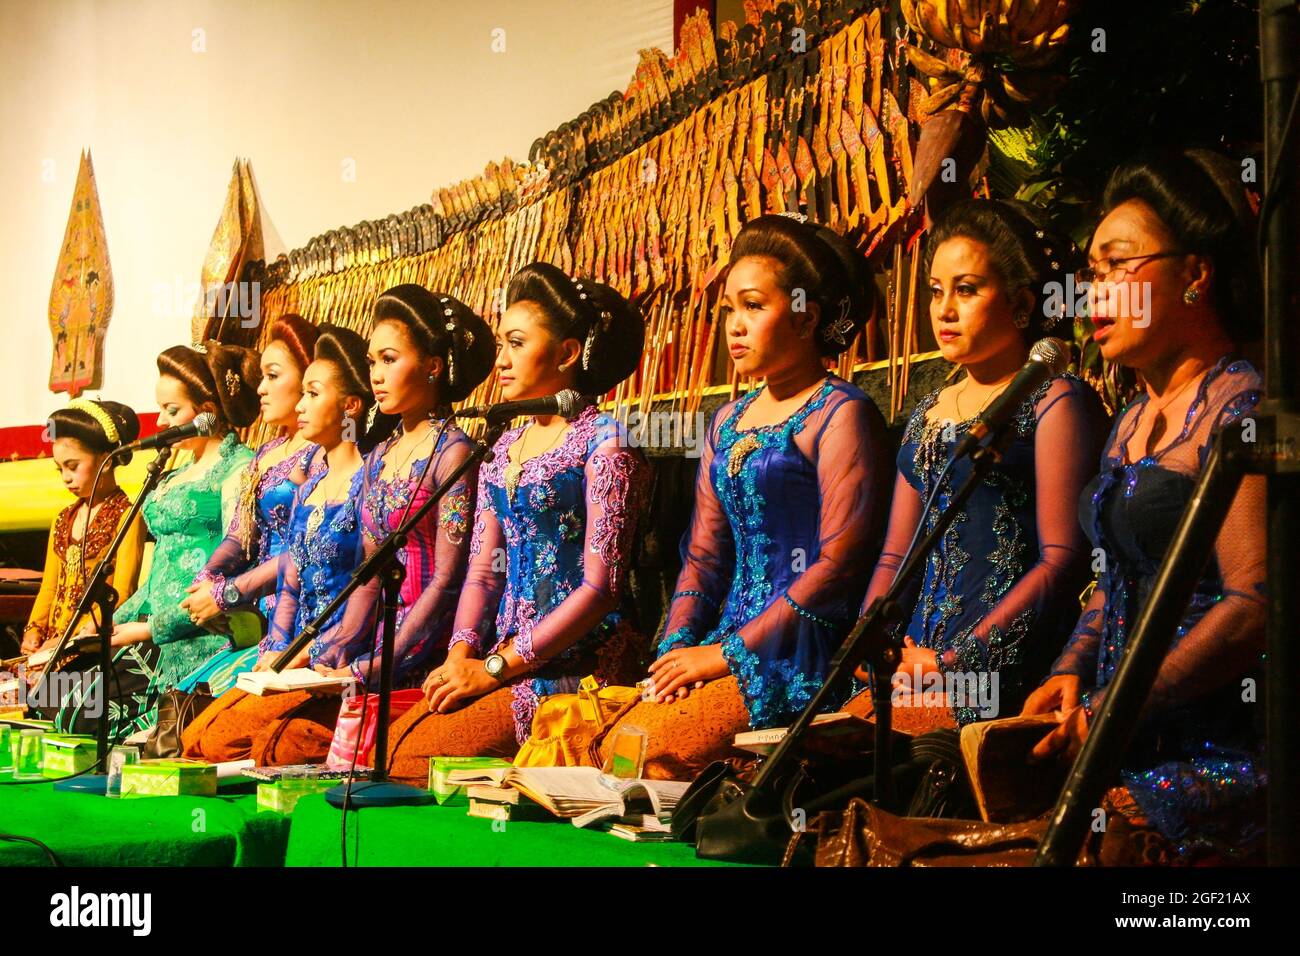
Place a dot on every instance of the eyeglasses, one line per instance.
(1115, 268)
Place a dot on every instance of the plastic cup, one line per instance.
(31, 754)
(119, 757)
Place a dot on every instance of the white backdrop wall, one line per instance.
(348, 111)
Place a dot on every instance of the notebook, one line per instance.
(1007, 787)
(262, 683)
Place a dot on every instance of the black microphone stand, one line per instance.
(379, 791)
(871, 642)
(1272, 450)
(100, 594)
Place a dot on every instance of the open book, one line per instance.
(582, 794)
(79, 644)
(845, 728)
(1007, 787)
(262, 683)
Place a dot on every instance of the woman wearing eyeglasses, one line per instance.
(1174, 288)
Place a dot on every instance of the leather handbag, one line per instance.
(865, 835)
(177, 709)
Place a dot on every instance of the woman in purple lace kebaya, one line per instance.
(1174, 292)
(790, 497)
(426, 350)
(553, 530)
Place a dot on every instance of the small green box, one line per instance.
(67, 754)
(169, 778)
(274, 797)
(448, 794)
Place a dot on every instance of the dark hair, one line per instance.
(1023, 248)
(346, 351)
(1198, 196)
(610, 328)
(442, 326)
(818, 261)
(225, 375)
(83, 427)
(297, 335)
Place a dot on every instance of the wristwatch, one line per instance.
(495, 665)
(230, 595)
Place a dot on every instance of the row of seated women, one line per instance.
(516, 584)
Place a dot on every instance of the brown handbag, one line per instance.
(176, 711)
(864, 835)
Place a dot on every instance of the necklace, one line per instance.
(515, 467)
(414, 445)
(956, 399)
(1160, 424)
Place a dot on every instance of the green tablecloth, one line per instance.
(228, 830)
(89, 830)
(445, 836)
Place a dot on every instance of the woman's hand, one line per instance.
(132, 632)
(456, 683)
(1057, 693)
(916, 661)
(685, 668)
(199, 605)
(1066, 739)
(31, 642)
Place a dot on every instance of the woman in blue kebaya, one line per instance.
(789, 502)
(323, 546)
(551, 549)
(242, 571)
(1000, 591)
(1178, 234)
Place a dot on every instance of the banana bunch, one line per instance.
(1028, 33)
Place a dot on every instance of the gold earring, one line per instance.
(1191, 294)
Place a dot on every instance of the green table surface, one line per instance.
(229, 830)
(445, 836)
(90, 830)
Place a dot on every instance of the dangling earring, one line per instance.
(1021, 320)
(1191, 294)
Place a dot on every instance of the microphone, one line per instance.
(1048, 358)
(201, 424)
(565, 404)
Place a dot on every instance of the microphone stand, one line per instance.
(871, 642)
(384, 563)
(100, 594)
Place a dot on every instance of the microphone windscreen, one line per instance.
(1053, 353)
(204, 421)
(567, 402)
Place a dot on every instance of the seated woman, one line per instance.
(557, 510)
(322, 551)
(1001, 591)
(1174, 291)
(82, 436)
(789, 503)
(426, 351)
(243, 569)
(187, 514)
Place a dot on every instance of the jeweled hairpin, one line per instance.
(842, 326)
(232, 383)
(796, 216)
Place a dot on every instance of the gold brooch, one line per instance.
(741, 450)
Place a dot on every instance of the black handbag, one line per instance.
(176, 711)
(717, 817)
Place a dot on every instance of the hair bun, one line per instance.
(610, 329)
(443, 326)
(236, 374)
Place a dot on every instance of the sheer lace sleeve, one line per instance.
(427, 621)
(616, 480)
(282, 628)
(1067, 445)
(708, 558)
(904, 516)
(781, 655)
(1080, 655)
(238, 512)
(485, 581)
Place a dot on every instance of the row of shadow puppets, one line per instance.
(774, 561)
